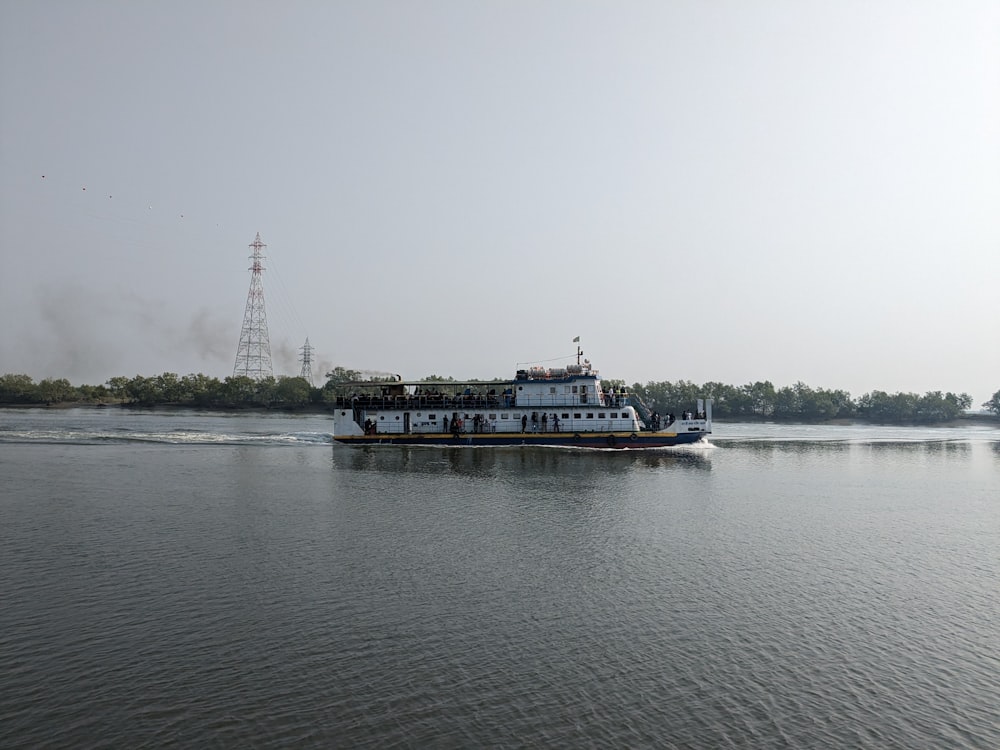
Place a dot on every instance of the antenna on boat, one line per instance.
(579, 351)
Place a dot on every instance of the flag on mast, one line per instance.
(576, 340)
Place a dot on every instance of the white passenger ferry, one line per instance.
(540, 406)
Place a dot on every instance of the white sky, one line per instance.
(706, 190)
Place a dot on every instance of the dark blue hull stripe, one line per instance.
(564, 439)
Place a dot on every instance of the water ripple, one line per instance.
(252, 595)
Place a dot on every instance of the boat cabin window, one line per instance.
(574, 389)
(552, 389)
(565, 415)
(614, 415)
(431, 417)
(504, 416)
(600, 415)
(576, 415)
(590, 415)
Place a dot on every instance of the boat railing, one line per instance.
(478, 401)
(382, 403)
(574, 401)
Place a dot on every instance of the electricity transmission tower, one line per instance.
(253, 356)
(306, 360)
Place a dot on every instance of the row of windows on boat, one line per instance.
(461, 422)
(535, 416)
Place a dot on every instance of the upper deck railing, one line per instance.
(482, 401)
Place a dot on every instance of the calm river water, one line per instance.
(203, 580)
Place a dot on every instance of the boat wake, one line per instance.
(700, 448)
(172, 437)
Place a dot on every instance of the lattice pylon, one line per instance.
(306, 360)
(253, 355)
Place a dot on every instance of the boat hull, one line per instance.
(606, 440)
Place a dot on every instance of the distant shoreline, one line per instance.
(321, 409)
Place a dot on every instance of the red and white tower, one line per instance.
(253, 356)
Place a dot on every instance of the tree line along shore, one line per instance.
(760, 400)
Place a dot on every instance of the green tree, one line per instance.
(118, 387)
(342, 375)
(142, 390)
(934, 406)
(55, 391)
(666, 397)
(238, 390)
(993, 405)
(169, 388)
(337, 382)
(291, 391)
(822, 404)
(728, 400)
(17, 389)
(92, 393)
(264, 391)
(879, 406)
(201, 390)
(786, 402)
(759, 398)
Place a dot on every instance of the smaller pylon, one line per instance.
(306, 360)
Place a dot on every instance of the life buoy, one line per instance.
(633, 436)
(611, 441)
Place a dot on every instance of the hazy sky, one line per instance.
(706, 190)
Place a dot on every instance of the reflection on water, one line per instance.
(525, 461)
(933, 447)
(833, 447)
(730, 433)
